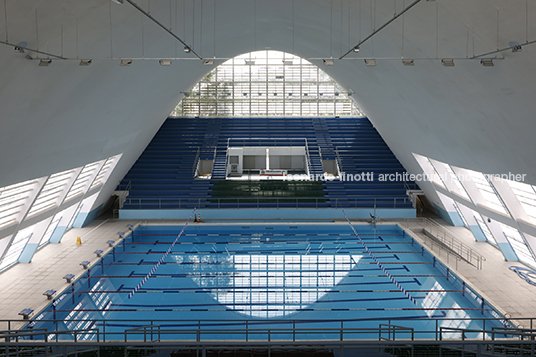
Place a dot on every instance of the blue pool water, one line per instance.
(274, 276)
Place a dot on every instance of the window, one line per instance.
(485, 228)
(50, 230)
(16, 247)
(267, 83)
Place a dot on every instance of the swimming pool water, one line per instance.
(316, 274)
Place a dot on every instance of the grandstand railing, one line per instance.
(266, 202)
(268, 330)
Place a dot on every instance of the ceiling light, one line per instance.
(408, 62)
(356, 49)
(329, 62)
(118, 1)
(125, 62)
(165, 62)
(85, 62)
(448, 62)
(187, 49)
(208, 62)
(487, 62)
(288, 62)
(370, 62)
(45, 63)
(250, 62)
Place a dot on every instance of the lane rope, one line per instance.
(161, 259)
(411, 298)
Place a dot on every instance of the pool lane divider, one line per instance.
(411, 298)
(162, 258)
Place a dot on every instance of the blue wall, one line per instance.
(268, 213)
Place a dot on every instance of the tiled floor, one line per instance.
(23, 285)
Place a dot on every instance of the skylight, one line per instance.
(267, 84)
(526, 195)
(454, 178)
(488, 192)
(12, 201)
(518, 244)
(51, 193)
(82, 182)
(105, 171)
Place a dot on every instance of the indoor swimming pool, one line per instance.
(300, 281)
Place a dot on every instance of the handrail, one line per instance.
(308, 158)
(438, 234)
(339, 161)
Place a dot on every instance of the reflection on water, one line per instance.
(267, 285)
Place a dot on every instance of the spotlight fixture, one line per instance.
(250, 62)
(85, 62)
(165, 62)
(20, 46)
(45, 63)
(288, 62)
(448, 62)
(356, 49)
(187, 49)
(487, 62)
(408, 62)
(328, 62)
(208, 62)
(125, 63)
(370, 62)
(118, 1)
(515, 45)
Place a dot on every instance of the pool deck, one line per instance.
(24, 284)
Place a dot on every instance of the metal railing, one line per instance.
(265, 202)
(440, 239)
(260, 141)
(240, 331)
(196, 161)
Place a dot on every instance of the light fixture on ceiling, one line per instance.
(20, 46)
(356, 49)
(329, 62)
(45, 63)
(208, 62)
(85, 62)
(370, 62)
(165, 62)
(118, 1)
(448, 62)
(408, 62)
(250, 62)
(125, 62)
(288, 62)
(515, 45)
(486, 62)
(187, 49)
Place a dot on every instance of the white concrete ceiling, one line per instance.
(65, 115)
